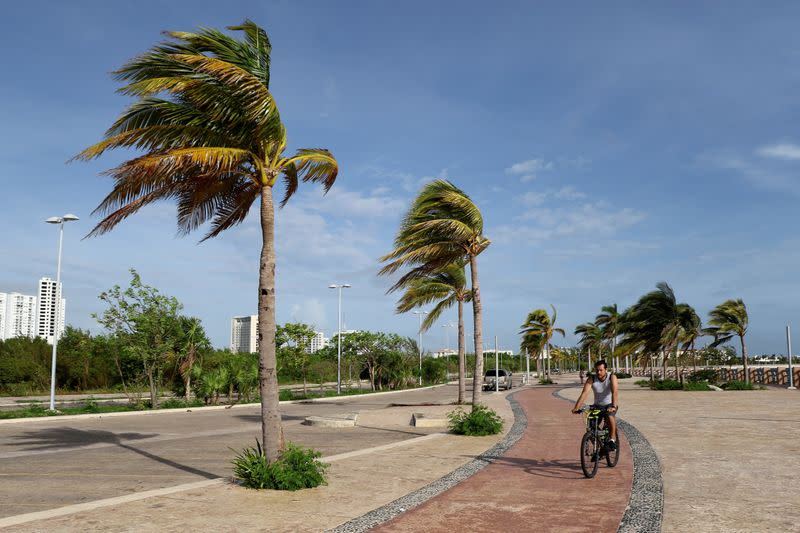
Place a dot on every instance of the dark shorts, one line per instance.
(605, 407)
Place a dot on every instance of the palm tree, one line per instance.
(726, 320)
(539, 324)
(692, 330)
(608, 321)
(443, 226)
(447, 287)
(214, 141)
(591, 338)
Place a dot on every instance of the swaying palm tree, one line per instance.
(692, 330)
(539, 324)
(446, 287)
(726, 320)
(591, 338)
(213, 141)
(608, 321)
(443, 226)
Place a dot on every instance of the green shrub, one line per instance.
(708, 374)
(666, 384)
(696, 385)
(178, 403)
(737, 385)
(479, 422)
(622, 375)
(545, 381)
(642, 382)
(298, 468)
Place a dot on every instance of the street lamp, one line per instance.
(447, 345)
(420, 314)
(60, 221)
(339, 337)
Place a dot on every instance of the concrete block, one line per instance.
(421, 420)
(347, 420)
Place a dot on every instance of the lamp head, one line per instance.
(70, 217)
(54, 220)
(346, 285)
(332, 286)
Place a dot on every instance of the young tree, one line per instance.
(293, 340)
(214, 141)
(727, 320)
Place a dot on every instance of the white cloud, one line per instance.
(311, 312)
(340, 201)
(780, 151)
(528, 170)
(569, 193)
(758, 174)
(533, 198)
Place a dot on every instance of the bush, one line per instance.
(696, 385)
(622, 375)
(666, 384)
(642, 382)
(178, 403)
(481, 421)
(708, 374)
(298, 468)
(737, 385)
(545, 381)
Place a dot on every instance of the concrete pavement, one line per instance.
(167, 472)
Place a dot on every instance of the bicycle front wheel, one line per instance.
(589, 454)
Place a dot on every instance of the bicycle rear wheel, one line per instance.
(612, 457)
(590, 449)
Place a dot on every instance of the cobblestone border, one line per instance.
(646, 504)
(418, 497)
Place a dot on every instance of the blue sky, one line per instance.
(610, 146)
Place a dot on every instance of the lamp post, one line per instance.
(447, 345)
(339, 337)
(789, 354)
(419, 332)
(60, 221)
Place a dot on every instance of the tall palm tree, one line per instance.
(692, 330)
(446, 287)
(608, 320)
(213, 141)
(591, 339)
(540, 324)
(442, 226)
(727, 320)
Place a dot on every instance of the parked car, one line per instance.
(503, 379)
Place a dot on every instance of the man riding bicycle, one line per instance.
(606, 397)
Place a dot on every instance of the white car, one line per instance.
(504, 377)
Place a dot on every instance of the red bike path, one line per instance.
(537, 485)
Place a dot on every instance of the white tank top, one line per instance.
(602, 390)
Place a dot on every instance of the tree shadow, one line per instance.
(559, 468)
(257, 418)
(54, 438)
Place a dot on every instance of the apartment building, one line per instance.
(50, 310)
(244, 334)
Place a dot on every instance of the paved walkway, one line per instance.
(537, 485)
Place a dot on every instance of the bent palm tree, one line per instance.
(726, 320)
(443, 226)
(539, 324)
(608, 321)
(447, 287)
(591, 338)
(213, 141)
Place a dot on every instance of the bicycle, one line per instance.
(594, 443)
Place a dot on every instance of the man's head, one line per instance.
(601, 368)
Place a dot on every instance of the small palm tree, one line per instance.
(540, 324)
(442, 226)
(727, 320)
(447, 287)
(591, 339)
(213, 141)
(608, 321)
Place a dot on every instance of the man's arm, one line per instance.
(584, 392)
(614, 395)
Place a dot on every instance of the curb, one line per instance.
(409, 501)
(645, 509)
(89, 416)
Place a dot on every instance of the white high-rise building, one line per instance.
(318, 342)
(244, 334)
(46, 312)
(17, 315)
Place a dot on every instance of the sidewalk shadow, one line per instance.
(257, 418)
(54, 438)
(559, 468)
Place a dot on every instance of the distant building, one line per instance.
(244, 334)
(50, 310)
(444, 352)
(17, 315)
(318, 342)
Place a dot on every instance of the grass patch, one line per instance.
(642, 382)
(479, 422)
(546, 381)
(696, 386)
(738, 385)
(298, 468)
(38, 410)
(666, 384)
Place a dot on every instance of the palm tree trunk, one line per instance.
(744, 361)
(477, 378)
(462, 363)
(677, 345)
(271, 428)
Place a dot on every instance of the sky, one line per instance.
(609, 146)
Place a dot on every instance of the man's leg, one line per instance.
(612, 425)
